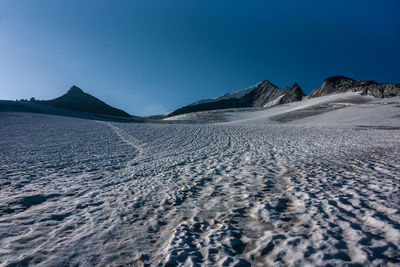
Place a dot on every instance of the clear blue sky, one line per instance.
(152, 56)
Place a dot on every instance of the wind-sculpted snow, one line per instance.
(229, 194)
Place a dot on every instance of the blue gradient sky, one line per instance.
(150, 56)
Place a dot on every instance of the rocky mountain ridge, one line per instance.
(77, 103)
(341, 84)
(266, 94)
(262, 95)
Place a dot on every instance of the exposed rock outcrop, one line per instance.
(292, 94)
(382, 90)
(341, 84)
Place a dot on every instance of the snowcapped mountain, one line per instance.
(259, 95)
(265, 94)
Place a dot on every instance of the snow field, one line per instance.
(84, 192)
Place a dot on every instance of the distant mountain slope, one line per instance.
(36, 107)
(260, 95)
(75, 103)
(76, 99)
(237, 94)
(340, 84)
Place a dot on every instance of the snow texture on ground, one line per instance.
(319, 189)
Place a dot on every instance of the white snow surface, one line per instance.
(273, 102)
(265, 188)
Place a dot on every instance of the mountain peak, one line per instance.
(341, 84)
(267, 83)
(77, 99)
(75, 90)
(262, 94)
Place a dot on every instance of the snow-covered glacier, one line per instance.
(261, 188)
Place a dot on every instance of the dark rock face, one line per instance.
(341, 84)
(265, 92)
(292, 94)
(382, 90)
(261, 95)
(76, 99)
(75, 90)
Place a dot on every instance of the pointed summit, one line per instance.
(77, 99)
(263, 94)
(292, 93)
(75, 90)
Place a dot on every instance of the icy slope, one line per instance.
(342, 110)
(251, 191)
